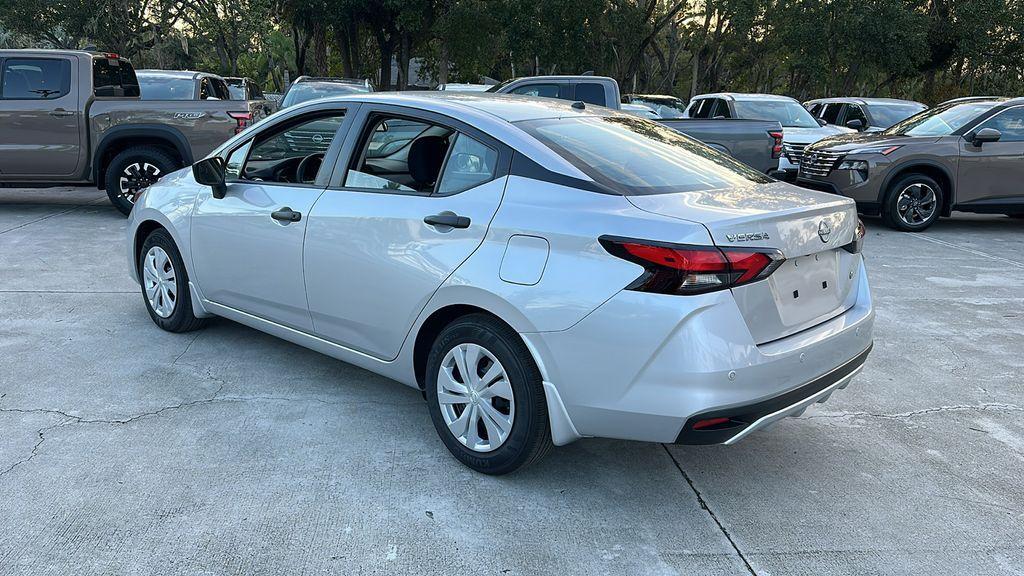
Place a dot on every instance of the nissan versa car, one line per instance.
(961, 155)
(543, 271)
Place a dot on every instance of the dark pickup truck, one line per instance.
(757, 143)
(75, 117)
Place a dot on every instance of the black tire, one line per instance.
(895, 206)
(182, 318)
(529, 439)
(157, 158)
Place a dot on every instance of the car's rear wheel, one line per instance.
(165, 284)
(132, 170)
(486, 396)
(913, 203)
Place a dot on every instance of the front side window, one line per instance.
(886, 115)
(469, 164)
(831, 112)
(636, 156)
(1010, 124)
(591, 93)
(789, 113)
(292, 154)
(35, 78)
(702, 108)
(941, 120)
(722, 109)
(160, 87)
(854, 112)
(400, 154)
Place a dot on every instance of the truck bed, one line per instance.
(748, 141)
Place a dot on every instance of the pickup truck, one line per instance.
(76, 117)
(757, 143)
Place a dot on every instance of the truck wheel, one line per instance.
(912, 203)
(134, 169)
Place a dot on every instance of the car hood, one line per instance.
(792, 135)
(848, 142)
(788, 215)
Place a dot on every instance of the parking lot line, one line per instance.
(965, 249)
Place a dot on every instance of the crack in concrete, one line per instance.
(41, 433)
(984, 407)
(704, 505)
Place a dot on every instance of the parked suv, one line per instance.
(863, 114)
(75, 117)
(799, 128)
(962, 155)
(306, 88)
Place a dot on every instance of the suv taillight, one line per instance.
(682, 269)
(242, 120)
(777, 147)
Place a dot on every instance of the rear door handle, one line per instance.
(61, 112)
(449, 219)
(286, 214)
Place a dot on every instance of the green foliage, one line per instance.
(924, 49)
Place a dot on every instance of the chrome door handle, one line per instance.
(449, 219)
(286, 214)
(60, 112)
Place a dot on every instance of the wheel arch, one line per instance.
(933, 170)
(121, 138)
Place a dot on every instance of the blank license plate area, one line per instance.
(808, 287)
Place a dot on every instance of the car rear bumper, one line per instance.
(646, 367)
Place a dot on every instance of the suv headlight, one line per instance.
(858, 169)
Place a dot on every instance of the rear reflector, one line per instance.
(683, 269)
(709, 423)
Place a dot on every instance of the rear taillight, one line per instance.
(777, 146)
(243, 119)
(682, 269)
(858, 239)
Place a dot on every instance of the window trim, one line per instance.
(364, 116)
(3, 69)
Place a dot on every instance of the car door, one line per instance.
(247, 246)
(993, 170)
(42, 124)
(380, 241)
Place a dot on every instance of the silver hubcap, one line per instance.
(136, 177)
(916, 204)
(160, 282)
(475, 397)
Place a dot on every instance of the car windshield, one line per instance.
(237, 91)
(158, 87)
(885, 115)
(789, 113)
(941, 120)
(305, 91)
(637, 156)
(663, 107)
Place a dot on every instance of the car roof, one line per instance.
(184, 74)
(865, 101)
(15, 52)
(747, 96)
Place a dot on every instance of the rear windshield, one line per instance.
(159, 87)
(304, 91)
(886, 115)
(114, 77)
(791, 114)
(637, 156)
(941, 120)
(237, 91)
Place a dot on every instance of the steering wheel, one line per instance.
(305, 172)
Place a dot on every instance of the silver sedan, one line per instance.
(543, 271)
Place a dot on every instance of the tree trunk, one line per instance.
(345, 50)
(403, 60)
(319, 49)
(442, 66)
(386, 48)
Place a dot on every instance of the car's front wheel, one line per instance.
(165, 284)
(486, 396)
(913, 203)
(132, 170)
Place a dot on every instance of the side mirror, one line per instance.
(985, 135)
(856, 123)
(821, 122)
(210, 172)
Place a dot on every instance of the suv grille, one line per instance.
(308, 141)
(819, 163)
(793, 152)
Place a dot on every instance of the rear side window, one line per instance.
(114, 78)
(635, 156)
(702, 109)
(35, 78)
(722, 109)
(831, 113)
(544, 90)
(591, 93)
(854, 112)
(469, 164)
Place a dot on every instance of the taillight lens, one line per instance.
(682, 269)
(858, 239)
(242, 119)
(777, 147)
